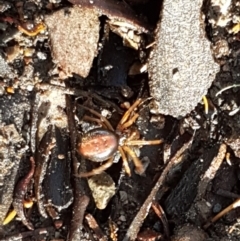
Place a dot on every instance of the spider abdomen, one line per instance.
(98, 144)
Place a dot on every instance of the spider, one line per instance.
(101, 144)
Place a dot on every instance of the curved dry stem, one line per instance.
(227, 88)
(205, 102)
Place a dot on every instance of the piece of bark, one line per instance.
(202, 207)
(181, 66)
(186, 189)
(74, 34)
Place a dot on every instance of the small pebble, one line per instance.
(30, 87)
(122, 218)
(123, 196)
(103, 189)
(217, 208)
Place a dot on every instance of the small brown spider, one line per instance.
(100, 144)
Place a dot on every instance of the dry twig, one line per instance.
(159, 188)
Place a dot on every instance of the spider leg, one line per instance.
(129, 111)
(142, 142)
(134, 135)
(97, 170)
(92, 119)
(128, 123)
(77, 92)
(125, 162)
(138, 164)
(102, 118)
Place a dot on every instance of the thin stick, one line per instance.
(19, 194)
(234, 205)
(227, 88)
(81, 198)
(92, 223)
(205, 101)
(162, 216)
(33, 233)
(160, 188)
(10, 216)
(35, 31)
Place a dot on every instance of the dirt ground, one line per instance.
(70, 72)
